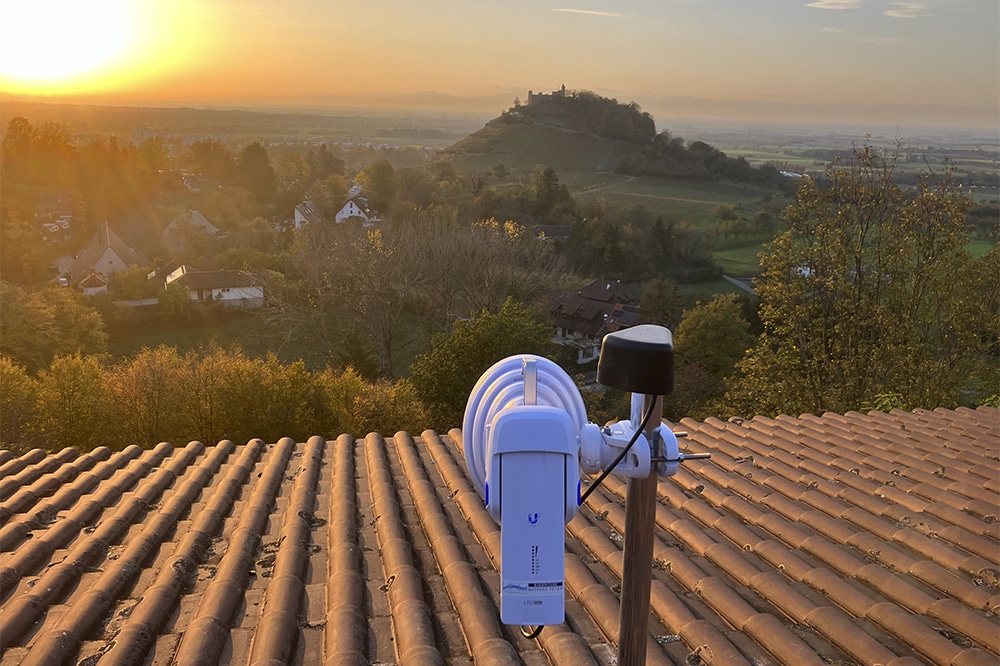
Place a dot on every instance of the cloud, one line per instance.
(833, 30)
(907, 10)
(834, 4)
(589, 12)
(887, 41)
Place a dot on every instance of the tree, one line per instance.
(211, 158)
(359, 407)
(661, 303)
(173, 299)
(37, 325)
(355, 352)
(323, 164)
(380, 183)
(710, 340)
(255, 173)
(72, 404)
(17, 404)
(444, 376)
(145, 393)
(329, 194)
(725, 212)
(869, 292)
(379, 282)
(714, 335)
(24, 256)
(132, 284)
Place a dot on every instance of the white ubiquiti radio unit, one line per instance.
(526, 440)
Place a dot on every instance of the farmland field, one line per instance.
(741, 260)
(674, 198)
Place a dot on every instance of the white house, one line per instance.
(237, 288)
(106, 253)
(307, 213)
(93, 284)
(356, 206)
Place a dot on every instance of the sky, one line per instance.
(927, 62)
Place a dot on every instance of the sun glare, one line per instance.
(55, 46)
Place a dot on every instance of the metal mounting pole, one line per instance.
(637, 559)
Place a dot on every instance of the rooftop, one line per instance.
(844, 539)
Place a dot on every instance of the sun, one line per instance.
(56, 46)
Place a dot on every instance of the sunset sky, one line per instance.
(886, 61)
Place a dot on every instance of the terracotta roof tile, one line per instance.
(861, 538)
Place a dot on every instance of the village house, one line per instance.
(356, 207)
(178, 234)
(106, 253)
(583, 319)
(236, 288)
(307, 213)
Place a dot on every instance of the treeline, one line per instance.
(634, 245)
(162, 395)
(87, 400)
(667, 156)
(588, 112)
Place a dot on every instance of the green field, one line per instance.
(978, 248)
(742, 261)
(674, 198)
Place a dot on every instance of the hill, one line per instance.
(580, 132)
(521, 142)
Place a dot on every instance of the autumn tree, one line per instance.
(17, 403)
(146, 393)
(24, 256)
(345, 276)
(38, 325)
(869, 295)
(359, 407)
(329, 194)
(711, 338)
(322, 163)
(72, 405)
(380, 183)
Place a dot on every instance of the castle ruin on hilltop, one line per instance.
(533, 96)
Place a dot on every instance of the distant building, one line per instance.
(54, 215)
(356, 207)
(178, 234)
(237, 288)
(307, 213)
(559, 232)
(555, 94)
(93, 283)
(106, 253)
(583, 319)
(195, 184)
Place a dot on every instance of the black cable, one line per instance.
(528, 632)
(618, 459)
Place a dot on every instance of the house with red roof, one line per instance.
(584, 318)
(857, 538)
